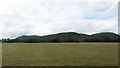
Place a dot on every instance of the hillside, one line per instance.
(68, 37)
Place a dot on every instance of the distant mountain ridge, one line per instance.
(68, 37)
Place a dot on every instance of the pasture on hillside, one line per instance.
(60, 54)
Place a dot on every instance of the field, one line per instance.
(60, 54)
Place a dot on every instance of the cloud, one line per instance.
(43, 17)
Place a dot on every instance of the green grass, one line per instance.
(60, 54)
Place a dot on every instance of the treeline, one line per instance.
(66, 37)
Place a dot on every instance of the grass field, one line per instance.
(60, 54)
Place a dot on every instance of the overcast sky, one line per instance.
(43, 17)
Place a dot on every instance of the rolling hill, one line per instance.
(69, 37)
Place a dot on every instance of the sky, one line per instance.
(44, 17)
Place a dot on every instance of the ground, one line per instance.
(60, 54)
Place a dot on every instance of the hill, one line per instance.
(68, 37)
